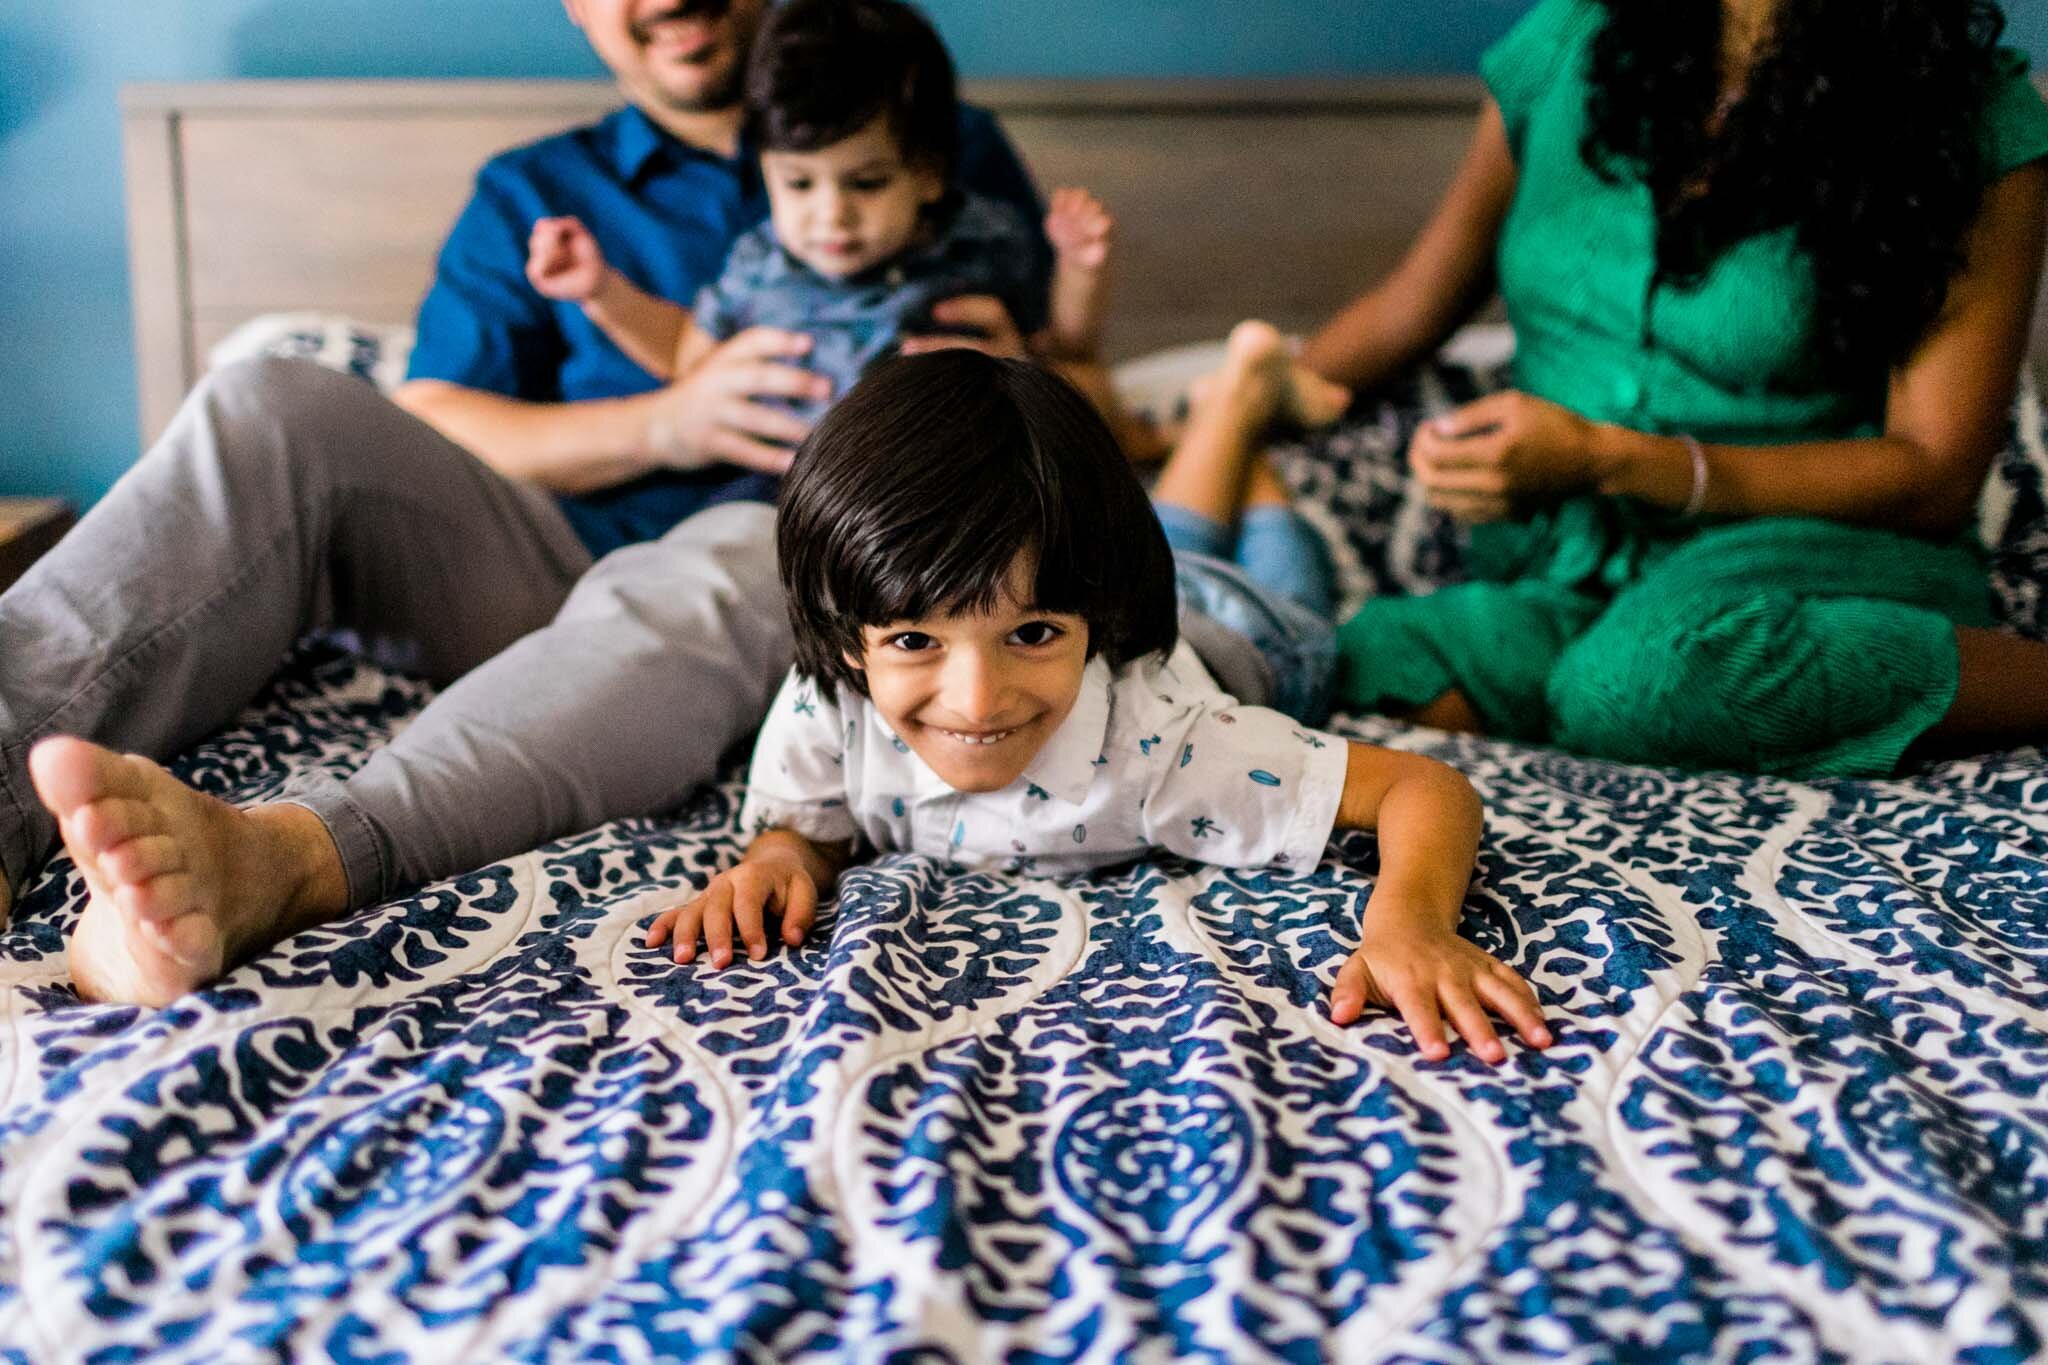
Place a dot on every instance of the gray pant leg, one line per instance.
(283, 496)
(665, 656)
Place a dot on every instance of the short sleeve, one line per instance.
(1244, 786)
(1525, 63)
(482, 325)
(798, 777)
(2015, 127)
(720, 310)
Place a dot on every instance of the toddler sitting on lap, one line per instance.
(991, 670)
(852, 107)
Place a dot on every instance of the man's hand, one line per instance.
(742, 897)
(715, 413)
(1432, 975)
(972, 313)
(563, 260)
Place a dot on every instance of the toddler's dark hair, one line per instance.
(918, 490)
(822, 70)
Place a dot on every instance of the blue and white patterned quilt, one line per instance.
(1796, 1110)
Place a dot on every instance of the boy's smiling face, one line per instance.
(850, 206)
(977, 696)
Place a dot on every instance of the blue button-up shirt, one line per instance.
(666, 214)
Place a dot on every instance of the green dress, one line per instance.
(1777, 645)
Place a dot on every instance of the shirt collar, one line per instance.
(1066, 765)
(638, 142)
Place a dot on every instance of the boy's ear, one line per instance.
(931, 185)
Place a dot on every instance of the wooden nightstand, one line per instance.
(28, 527)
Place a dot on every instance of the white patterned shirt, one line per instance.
(1153, 756)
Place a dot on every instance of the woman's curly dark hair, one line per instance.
(1858, 127)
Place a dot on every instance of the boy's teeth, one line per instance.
(980, 739)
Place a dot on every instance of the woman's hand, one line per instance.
(741, 897)
(1493, 459)
(1432, 975)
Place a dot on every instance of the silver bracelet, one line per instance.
(1697, 503)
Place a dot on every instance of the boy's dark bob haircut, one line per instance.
(822, 70)
(918, 490)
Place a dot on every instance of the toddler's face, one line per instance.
(849, 206)
(976, 697)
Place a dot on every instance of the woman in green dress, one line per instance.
(1770, 266)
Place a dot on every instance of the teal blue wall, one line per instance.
(67, 383)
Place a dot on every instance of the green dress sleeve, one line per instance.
(2015, 129)
(1533, 55)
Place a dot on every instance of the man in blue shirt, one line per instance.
(453, 533)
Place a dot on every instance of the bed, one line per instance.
(1798, 1109)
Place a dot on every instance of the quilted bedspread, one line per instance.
(1795, 1110)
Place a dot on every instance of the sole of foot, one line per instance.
(166, 870)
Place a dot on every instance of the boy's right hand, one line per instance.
(563, 260)
(741, 897)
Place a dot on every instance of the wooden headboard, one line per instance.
(1275, 199)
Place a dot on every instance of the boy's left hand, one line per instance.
(1431, 976)
(1080, 228)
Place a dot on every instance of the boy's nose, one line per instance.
(973, 691)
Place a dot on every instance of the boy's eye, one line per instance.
(1033, 633)
(869, 184)
(912, 641)
(799, 183)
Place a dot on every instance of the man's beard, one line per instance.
(727, 90)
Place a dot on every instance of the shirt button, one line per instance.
(1628, 391)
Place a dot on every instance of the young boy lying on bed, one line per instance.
(990, 671)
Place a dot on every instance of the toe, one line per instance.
(69, 773)
(104, 825)
(139, 859)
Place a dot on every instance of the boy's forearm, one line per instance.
(822, 862)
(1429, 821)
(649, 330)
(1074, 326)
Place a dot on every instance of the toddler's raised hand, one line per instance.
(1080, 228)
(563, 260)
(1431, 976)
(741, 897)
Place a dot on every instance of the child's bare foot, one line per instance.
(1259, 369)
(182, 886)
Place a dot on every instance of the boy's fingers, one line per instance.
(748, 904)
(1418, 1010)
(689, 920)
(1347, 997)
(718, 923)
(1516, 1003)
(1468, 1016)
(664, 924)
(800, 910)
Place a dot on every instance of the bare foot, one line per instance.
(1259, 371)
(182, 886)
